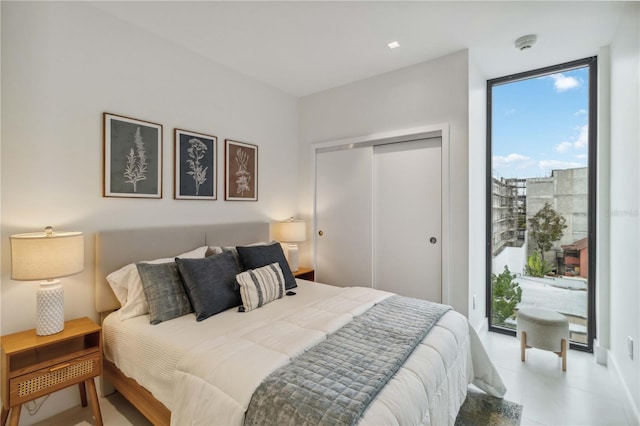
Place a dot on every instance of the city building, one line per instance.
(568, 193)
(509, 206)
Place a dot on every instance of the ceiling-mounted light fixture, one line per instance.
(393, 45)
(526, 42)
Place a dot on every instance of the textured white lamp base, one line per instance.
(292, 256)
(50, 316)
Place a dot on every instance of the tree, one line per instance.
(546, 227)
(536, 266)
(506, 296)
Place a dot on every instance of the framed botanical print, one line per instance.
(195, 170)
(132, 157)
(241, 171)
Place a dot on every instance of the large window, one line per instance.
(541, 129)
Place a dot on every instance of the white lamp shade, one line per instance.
(291, 231)
(42, 256)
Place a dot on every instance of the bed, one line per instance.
(224, 368)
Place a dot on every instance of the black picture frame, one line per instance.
(132, 157)
(195, 168)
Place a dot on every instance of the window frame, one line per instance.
(592, 64)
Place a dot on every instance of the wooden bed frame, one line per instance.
(115, 249)
(155, 411)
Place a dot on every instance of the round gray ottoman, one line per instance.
(543, 329)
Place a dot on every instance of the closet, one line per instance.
(378, 216)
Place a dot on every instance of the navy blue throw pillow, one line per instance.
(211, 283)
(254, 257)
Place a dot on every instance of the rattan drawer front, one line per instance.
(29, 386)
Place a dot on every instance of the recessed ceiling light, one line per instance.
(393, 45)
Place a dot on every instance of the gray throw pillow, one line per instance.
(163, 289)
(254, 257)
(211, 283)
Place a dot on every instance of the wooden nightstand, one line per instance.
(34, 366)
(305, 274)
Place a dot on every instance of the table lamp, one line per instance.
(47, 256)
(291, 232)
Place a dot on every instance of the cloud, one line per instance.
(583, 138)
(512, 160)
(507, 165)
(509, 160)
(559, 165)
(563, 147)
(563, 83)
(581, 141)
(580, 112)
(581, 156)
(510, 111)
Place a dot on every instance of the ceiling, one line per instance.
(303, 47)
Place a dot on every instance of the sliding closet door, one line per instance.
(408, 218)
(343, 217)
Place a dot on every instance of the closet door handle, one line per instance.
(321, 233)
(433, 240)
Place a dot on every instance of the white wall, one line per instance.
(625, 203)
(513, 258)
(63, 65)
(603, 184)
(477, 194)
(429, 93)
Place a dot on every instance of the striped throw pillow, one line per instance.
(261, 286)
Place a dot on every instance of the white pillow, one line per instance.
(127, 285)
(261, 286)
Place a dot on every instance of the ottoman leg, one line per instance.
(563, 345)
(523, 344)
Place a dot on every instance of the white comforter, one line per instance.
(206, 372)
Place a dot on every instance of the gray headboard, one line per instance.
(117, 248)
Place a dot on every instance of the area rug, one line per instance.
(482, 410)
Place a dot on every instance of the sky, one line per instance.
(540, 124)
